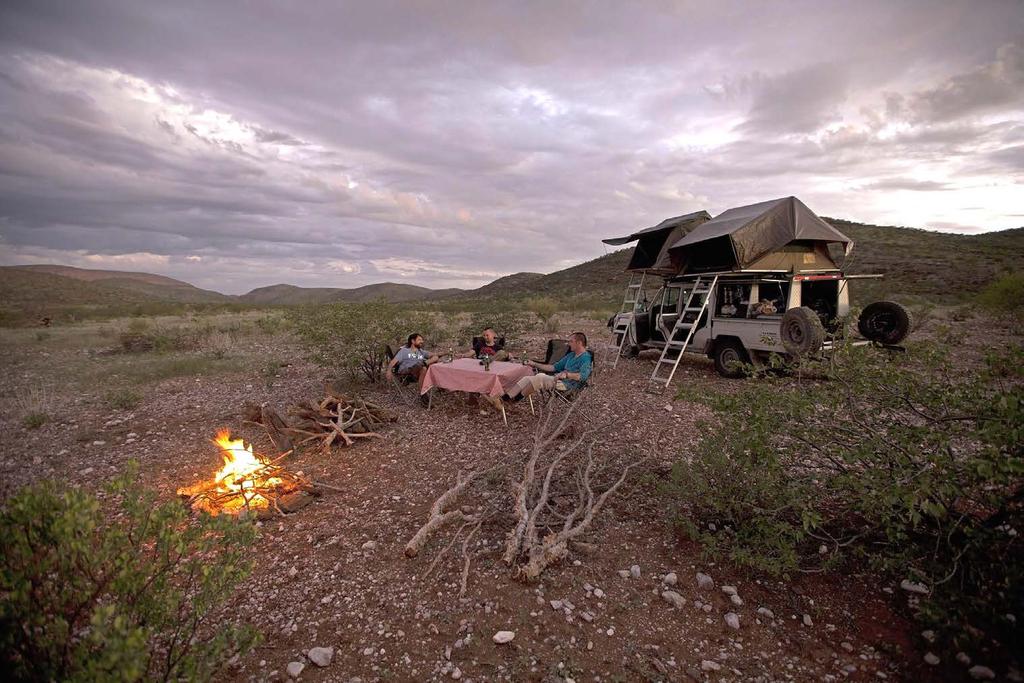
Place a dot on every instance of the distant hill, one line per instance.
(132, 286)
(275, 295)
(941, 267)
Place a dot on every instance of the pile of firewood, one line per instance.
(335, 419)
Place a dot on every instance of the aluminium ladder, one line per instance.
(674, 346)
(620, 331)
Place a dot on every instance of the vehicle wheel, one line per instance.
(885, 322)
(801, 331)
(730, 357)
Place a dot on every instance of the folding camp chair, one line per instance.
(400, 383)
(568, 396)
(500, 343)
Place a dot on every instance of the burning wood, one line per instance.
(247, 482)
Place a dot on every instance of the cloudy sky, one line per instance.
(241, 144)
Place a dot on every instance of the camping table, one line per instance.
(467, 374)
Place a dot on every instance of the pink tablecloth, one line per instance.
(466, 374)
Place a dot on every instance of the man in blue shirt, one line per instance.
(573, 368)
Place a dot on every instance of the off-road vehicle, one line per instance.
(754, 281)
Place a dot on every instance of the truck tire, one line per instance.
(730, 357)
(885, 322)
(801, 331)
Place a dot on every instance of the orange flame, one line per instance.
(235, 476)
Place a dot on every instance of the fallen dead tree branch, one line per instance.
(554, 502)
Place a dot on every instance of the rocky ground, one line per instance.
(336, 599)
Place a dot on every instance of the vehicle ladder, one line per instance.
(675, 346)
(623, 323)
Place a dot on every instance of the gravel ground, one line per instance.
(334, 574)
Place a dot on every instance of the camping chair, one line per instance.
(400, 383)
(556, 349)
(569, 396)
(500, 342)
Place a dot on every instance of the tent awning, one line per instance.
(650, 253)
(738, 237)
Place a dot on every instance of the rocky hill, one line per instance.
(940, 268)
(286, 295)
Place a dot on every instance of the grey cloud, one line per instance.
(799, 101)
(907, 184)
(990, 86)
(469, 137)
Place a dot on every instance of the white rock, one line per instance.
(963, 658)
(321, 656)
(598, 593)
(736, 600)
(293, 572)
(732, 620)
(671, 579)
(668, 407)
(846, 646)
(729, 590)
(295, 669)
(981, 673)
(556, 604)
(675, 599)
(502, 637)
(624, 573)
(704, 581)
(587, 616)
(369, 545)
(708, 665)
(634, 571)
(807, 620)
(931, 659)
(928, 635)
(706, 608)
(911, 587)
(766, 613)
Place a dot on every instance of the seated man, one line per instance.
(573, 368)
(487, 344)
(412, 359)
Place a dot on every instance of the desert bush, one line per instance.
(84, 597)
(138, 325)
(1004, 296)
(545, 308)
(510, 324)
(42, 336)
(351, 337)
(123, 399)
(904, 462)
(34, 420)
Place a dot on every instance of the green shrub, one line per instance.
(34, 420)
(351, 337)
(1004, 296)
(903, 462)
(123, 399)
(509, 324)
(84, 597)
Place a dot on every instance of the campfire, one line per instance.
(247, 483)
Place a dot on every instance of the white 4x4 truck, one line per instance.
(753, 281)
(745, 317)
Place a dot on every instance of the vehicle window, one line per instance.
(821, 296)
(772, 297)
(671, 299)
(733, 301)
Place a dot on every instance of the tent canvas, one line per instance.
(650, 255)
(740, 237)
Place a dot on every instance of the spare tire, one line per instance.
(885, 322)
(801, 331)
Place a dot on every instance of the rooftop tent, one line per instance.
(746, 236)
(650, 254)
